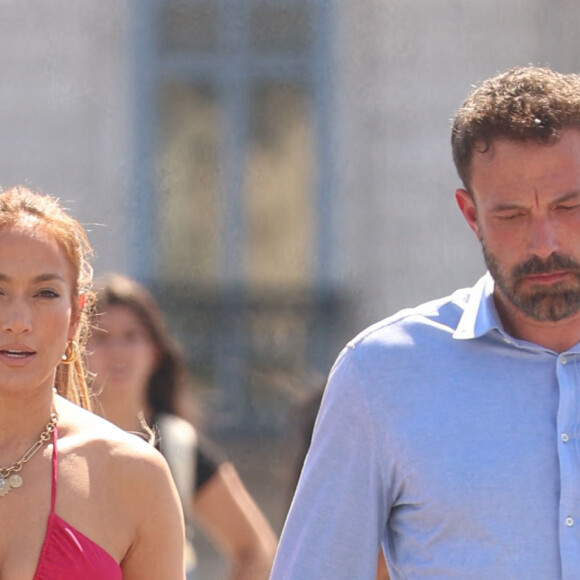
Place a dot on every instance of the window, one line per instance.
(240, 164)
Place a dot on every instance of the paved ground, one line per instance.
(266, 467)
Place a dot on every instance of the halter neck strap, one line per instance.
(54, 469)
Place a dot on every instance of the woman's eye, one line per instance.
(133, 336)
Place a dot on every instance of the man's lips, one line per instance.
(547, 278)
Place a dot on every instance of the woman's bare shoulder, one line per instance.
(106, 445)
(121, 480)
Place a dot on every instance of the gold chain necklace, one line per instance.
(10, 477)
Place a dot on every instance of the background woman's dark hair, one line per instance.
(171, 373)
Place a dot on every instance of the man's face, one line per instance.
(525, 211)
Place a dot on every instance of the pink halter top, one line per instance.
(66, 553)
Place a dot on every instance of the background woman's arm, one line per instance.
(232, 520)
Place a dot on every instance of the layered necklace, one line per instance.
(10, 477)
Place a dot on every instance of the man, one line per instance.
(450, 433)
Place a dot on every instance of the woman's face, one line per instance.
(122, 355)
(36, 314)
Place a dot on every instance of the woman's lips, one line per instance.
(15, 354)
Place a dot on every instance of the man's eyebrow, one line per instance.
(572, 195)
(568, 197)
(506, 206)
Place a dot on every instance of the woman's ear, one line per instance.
(467, 207)
(76, 316)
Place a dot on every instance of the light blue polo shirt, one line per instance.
(450, 442)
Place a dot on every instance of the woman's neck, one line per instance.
(22, 419)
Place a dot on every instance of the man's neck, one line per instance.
(557, 336)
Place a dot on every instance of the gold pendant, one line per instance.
(13, 482)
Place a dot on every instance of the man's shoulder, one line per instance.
(409, 324)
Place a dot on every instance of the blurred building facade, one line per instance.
(278, 171)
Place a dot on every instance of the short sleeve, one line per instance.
(208, 459)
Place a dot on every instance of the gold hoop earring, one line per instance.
(71, 353)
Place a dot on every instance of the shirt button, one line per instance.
(569, 522)
(565, 437)
(563, 360)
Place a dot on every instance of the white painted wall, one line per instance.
(404, 68)
(64, 110)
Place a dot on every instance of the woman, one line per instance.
(139, 375)
(80, 499)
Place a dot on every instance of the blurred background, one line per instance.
(278, 172)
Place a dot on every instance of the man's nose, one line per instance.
(543, 238)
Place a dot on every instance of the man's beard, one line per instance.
(542, 303)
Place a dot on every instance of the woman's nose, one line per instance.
(17, 321)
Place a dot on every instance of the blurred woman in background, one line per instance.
(139, 376)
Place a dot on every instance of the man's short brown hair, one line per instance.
(522, 104)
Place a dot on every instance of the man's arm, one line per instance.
(337, 518)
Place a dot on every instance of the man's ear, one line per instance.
(467, 207)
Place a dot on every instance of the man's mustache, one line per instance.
(553, 263)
